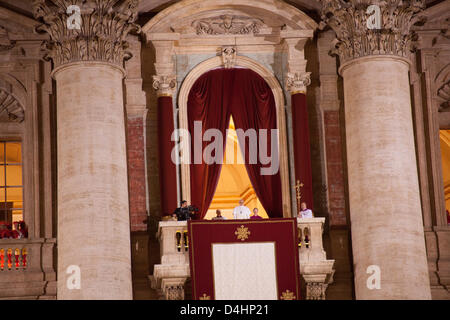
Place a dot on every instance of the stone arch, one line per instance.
(12, 99)
(269, 77)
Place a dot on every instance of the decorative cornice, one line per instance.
(10, 108)
(371, 27)
(100, 35)
(298, 81)
(164, 85)
(227, 24)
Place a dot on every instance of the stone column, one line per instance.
(386, 217)
(93, 213)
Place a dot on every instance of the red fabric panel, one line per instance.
(253, 106)
(302, 153)
(208, 102)
(245, 95)
(167, 169)
(136, 173)
(202, 234)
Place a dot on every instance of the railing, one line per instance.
(27, 268)
(13, 258)
(170, 276)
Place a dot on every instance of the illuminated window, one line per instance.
(11, 182)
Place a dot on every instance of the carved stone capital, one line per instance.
(298, 81)
(229, 56)
(375, 27)
(87, 30)
(164, 85)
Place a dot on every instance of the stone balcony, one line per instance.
(170, 275)
(26, 269)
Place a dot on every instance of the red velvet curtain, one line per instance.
(214, 97)
(167, 169)
(302, 154)
(253, 106)
(208, 103)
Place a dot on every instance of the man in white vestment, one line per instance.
(305, 212)
(241, 211)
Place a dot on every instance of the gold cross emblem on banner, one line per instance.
(242, 233)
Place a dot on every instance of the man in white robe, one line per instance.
(305, 212)
(241, 211)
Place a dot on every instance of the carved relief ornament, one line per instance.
(227, 24)
(356, 33)
(96, 32)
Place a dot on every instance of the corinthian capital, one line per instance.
(298, 81)
(164, 85)
(371, 27)
(86, 30)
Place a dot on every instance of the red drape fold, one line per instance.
(253, 107)
(167, 169)
(207, 104)
(302, 153)
(213, 98)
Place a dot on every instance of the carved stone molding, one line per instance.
(164, 85)
(10, 108)
(361, 32)
(298, 81)
(315, 291)
(227, 24)
(100, 36)
(229, 56)
(174, 292)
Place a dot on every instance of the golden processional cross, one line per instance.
(298, 191)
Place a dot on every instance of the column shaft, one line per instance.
(386, 217)
(93, 213)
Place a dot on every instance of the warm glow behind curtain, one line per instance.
(213, 98)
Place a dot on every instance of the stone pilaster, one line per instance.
(297, 79)
(386, 220)
(93, 208)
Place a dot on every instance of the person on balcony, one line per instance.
(182, 213)
(219, 216)
(241, 211)
(305, 212)
(255, 215)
